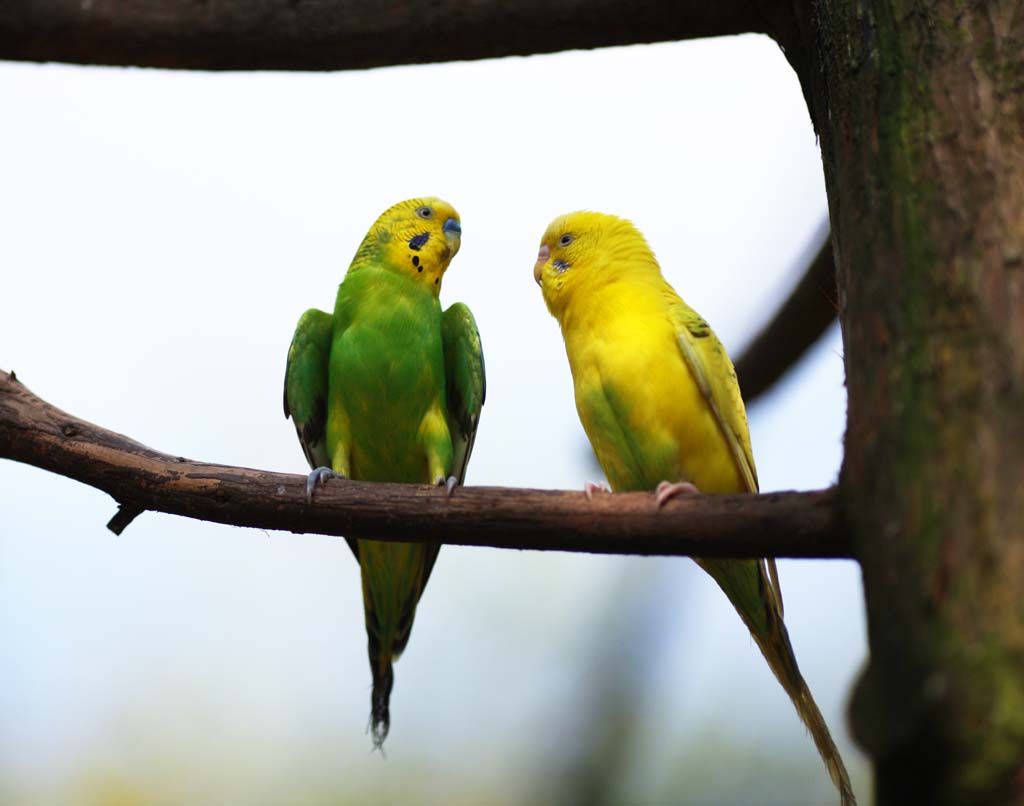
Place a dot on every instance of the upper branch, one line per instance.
(780, 524)
(343, 34)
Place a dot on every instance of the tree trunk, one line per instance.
(920, 110)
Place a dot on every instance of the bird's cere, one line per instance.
(542, 258)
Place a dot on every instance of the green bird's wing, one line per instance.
(305, 383)
(305, 388)
(466, 386)
(465, 390)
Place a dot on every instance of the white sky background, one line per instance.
(161, 233)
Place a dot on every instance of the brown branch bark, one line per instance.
(779, 524)
(798, 323)
(342, 34)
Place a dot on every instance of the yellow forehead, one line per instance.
(406, 209)
(584, 222)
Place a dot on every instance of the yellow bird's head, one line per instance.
(416, 237)
(584, 251)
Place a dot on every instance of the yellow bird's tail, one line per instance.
(760, 607)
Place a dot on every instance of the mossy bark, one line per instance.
(920, 111)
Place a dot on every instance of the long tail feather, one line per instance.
(382, 654)
(778, 651)
(383, 680)
(392, 575)
(761, 611)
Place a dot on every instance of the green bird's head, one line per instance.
(416, 237)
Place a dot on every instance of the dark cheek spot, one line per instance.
(420, 269)
(415, 260)
(417, 242)
(437, 280)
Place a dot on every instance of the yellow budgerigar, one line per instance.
(658, 398)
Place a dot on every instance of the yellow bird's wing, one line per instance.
(752, 586)
(716, 377)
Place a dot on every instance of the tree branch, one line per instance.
(797, 324)
(342, 34)
(779, 524)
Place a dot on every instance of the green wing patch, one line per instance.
(305, 383)
(465, 383)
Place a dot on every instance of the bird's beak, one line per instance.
(453, 228)
(542, 258)
(453, 233)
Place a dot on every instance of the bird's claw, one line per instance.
(317, 478)
(592, 487)
(668, 490)
(449, 485)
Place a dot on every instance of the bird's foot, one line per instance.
(668, 490)
(317, 478)
(592, 487)
(449, 484)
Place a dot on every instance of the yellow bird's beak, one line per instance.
(542, 258)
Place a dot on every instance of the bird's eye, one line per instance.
(425, 212)
(565, 240)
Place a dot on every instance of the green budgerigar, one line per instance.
(390, 388)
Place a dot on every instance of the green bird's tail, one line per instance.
(393, 577)
(383, 680)
(750, 588)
